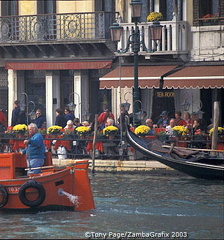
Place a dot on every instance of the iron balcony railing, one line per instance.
(174, 37)
(56, 27)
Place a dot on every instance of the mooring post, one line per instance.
(215, 125)
(94, 143)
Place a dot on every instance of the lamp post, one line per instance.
(72, 105)
(25, 106)
(134, 42)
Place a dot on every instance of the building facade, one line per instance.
(182, 71)
(53, 52)
(58, 52)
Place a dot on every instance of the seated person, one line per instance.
(110, 146)
(169, 128)
(163, 121)
(198, 134)
(69, 126)
(179, 121)
(40, 119)
(149, 123)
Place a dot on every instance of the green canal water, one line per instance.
(128, 206)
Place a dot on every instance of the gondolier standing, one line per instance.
(35, 150)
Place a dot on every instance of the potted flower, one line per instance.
(154, 17)
(179, 131)
(220, 132)
(20, 129)
(9, 133)
(110, 131)
(54, 129)
(82, 131)
(220, 143)
(142, 130)
(210, 19)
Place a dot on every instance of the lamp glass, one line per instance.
(115, 32)
(136, 9)
(126, 106)
(72, 106)
(32, 115)
(156, 32)
(140, 115)
(23, 107)
(86, 116)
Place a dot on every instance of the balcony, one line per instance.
(173, 42)
(56, 35)
(56, 27)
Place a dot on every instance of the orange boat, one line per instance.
(66, 188)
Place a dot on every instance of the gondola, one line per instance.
(193, 162)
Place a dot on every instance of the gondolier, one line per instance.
(35, 151)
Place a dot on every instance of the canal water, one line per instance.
(160, 205)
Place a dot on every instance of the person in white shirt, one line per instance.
(169, 130)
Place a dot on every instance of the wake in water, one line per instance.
(73, 199)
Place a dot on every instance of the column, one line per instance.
(12, 92)
(52, 96)
(84, 94)
(77, 93)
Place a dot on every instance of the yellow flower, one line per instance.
(220, 131)
(180, 130)
(82, 130)
(110, 130)
(20, 128)
(142, 130)
(54, 129)
(154, 16)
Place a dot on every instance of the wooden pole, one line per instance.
(94, 143)
(215, 125)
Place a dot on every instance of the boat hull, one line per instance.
(53, 189)
(197, 169)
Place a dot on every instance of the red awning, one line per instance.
(148, 76)
(196, 77)
(58, 65)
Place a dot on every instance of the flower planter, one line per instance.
(210, 23)
(220, 146)
(68, 137)
(7, 135)
(111, 137)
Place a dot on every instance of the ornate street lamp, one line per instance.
(134, 42)
(32, 113)
(71, 104)
(24, 106)
(126, 105)
(140, 115)
(186, 105)
(86, 115)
